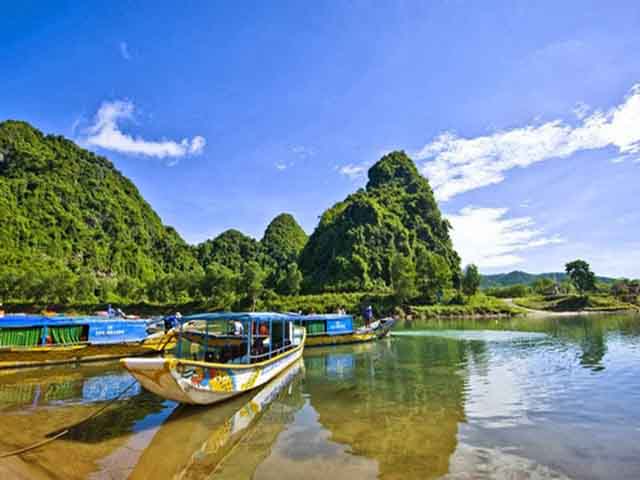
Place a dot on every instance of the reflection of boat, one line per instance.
(209, 368)
(338, 329)
(192, 443)
(32, 340)
(62, 384)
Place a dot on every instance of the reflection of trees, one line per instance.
(588, 332)
(401, 406)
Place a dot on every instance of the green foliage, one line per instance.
(231, 248)
(252, 283)
(219, 286)
(571, 303)
(471, 280)
(290, 280)
(403, 278)
(518, 277)
(513, 291)
(544, 286)
(283, 240)
(67, 214)
(433, 275)
(353, 246)
(581, 276)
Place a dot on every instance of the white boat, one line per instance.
(207, 369)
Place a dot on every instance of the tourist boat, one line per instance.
(33, 340)
(338, 329)
(221, 355)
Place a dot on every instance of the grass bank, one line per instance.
(574, 303)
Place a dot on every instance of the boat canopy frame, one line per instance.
(247, 320)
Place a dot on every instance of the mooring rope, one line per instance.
(61, 432)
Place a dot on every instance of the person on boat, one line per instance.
(368, 315)
(172, 321)
(1, 311)
(238, 328)
(110, 311)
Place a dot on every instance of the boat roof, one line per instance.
(324, 316)
(226, 316)
(24, 321)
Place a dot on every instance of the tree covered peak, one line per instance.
(394, 168)
(284, 239)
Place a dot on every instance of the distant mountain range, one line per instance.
(516, 277)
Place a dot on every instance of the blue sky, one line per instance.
(525, 116)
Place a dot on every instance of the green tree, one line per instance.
(543, 286)
(433, 275)
(290, 280)
(403, 278)
(252, 283)
(581, 276)
(219, 285)
(470, 280)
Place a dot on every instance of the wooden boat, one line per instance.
(33, 340)
(337, 329)
(210, 367)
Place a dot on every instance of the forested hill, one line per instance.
(357, 239)
(66, 211)
(518, 277)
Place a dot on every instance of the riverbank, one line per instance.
(571, 305)
(479, 306)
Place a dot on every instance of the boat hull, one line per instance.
(378, 330)
(201, 383)
(38, 356)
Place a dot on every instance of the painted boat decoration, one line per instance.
(209, 366)
(33, 340)
(338, 329)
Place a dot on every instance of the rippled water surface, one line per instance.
(551, 398)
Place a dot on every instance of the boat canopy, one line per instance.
(327, 324)
(262, 336)
(33, 330)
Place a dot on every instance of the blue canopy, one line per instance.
(226, 316)
(335, 323)
(100, 329)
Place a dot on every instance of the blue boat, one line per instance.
(338, 329)
(31, 340)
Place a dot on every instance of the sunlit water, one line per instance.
(552, 398)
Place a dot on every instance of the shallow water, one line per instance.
(543, 398)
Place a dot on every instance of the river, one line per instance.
(461, 399)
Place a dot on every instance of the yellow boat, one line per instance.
(206, 371)
(337, 329)
(34, 340)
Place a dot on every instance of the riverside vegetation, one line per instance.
(76, 234)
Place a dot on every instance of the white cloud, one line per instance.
(352, 171)
(106, 133)
(281, 166)
(581, 110)
(124, 51)
(456, 165)
(488, 238)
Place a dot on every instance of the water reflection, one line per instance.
(195, 442)
(63, 385)
(543, 398)
(398, 404)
